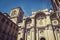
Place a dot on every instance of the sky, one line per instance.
(27, 5)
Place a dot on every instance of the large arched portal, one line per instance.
(40, 22)
(27, 31)
(42, 38)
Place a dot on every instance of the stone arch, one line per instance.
(53, 16)
(39, 17)
(40, 14)
(28, 20)
(42, 38)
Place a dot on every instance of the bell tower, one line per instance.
(16, 15)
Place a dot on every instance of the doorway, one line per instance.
(42, 38)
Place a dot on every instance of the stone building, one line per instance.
(8, 29)
(41, 25)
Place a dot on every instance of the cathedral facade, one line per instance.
(42, 25)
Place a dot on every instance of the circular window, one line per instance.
(42, 38)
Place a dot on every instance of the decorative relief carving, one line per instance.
(13, 12)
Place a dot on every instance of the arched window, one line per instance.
(40, 15)
(13, 13)
(28, 20)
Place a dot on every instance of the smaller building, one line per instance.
(8, 29)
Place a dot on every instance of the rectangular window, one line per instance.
(11, 25)
(7, 22)
(0, 17)
(6, 26)
(2, 20)
(0, 27)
